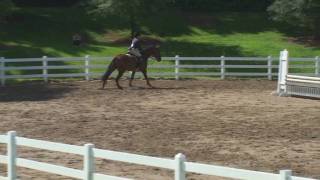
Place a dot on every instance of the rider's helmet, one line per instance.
(137, 34)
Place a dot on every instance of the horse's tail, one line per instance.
(110, 69)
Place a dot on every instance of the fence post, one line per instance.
(223, 70)
(317, 64)
(285, 174)
(12, 155)
(2, 71)
(88, 162)
(269, 67)
(282, 72)
(87, 69)
(45, 68)
(176, 70)
(179, 172)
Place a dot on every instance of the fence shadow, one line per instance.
(33, 91)
(306, 97)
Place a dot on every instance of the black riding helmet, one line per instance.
(137, 34)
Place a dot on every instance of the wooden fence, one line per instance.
(177, 67)
(179, 164)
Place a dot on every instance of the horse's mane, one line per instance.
(149, 47)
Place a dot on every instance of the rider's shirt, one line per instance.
(136, 44)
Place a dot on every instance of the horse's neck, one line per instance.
(146, 55)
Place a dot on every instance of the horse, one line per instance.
(127, 62)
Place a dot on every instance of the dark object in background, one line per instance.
(77, 39)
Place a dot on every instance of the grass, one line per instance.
(48, 31)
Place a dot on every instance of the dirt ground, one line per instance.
(235, 123)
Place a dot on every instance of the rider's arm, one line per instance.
(137, 44)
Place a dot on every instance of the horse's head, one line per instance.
(154, 51)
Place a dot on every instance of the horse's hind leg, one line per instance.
(131, 79)
(105, 78)
(118, 77)
(106, 75)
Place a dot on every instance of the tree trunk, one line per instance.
(133, 25)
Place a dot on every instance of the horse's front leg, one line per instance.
(144, 72)
(132, 77)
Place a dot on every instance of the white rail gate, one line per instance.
(296, 84)
(179, 164)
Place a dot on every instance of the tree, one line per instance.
(6, 7)
(133, 10)
(303, 13)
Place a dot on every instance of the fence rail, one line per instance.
(179, 164)
(179, 67)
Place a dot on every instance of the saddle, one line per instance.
(139, 59)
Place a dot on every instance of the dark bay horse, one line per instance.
(125, 62)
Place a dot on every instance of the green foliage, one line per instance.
(297, 12)
(290, 11)
(133, 10)
(130, 7)
(196, 5)
(48, 31)
(6, 7)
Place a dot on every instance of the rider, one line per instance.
(135, 47)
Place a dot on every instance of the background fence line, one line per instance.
(220, 67)
(179, 164)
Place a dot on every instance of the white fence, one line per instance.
(294, 84)
(179, 67)
(179, 164)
